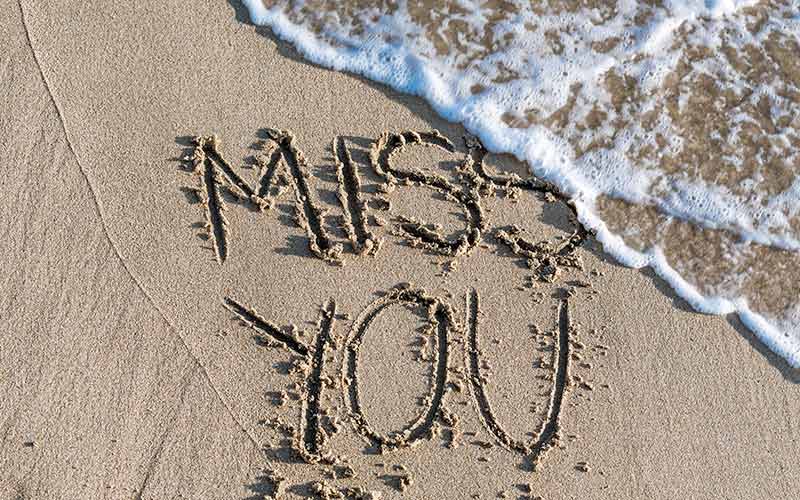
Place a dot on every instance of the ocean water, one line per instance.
(674, 124)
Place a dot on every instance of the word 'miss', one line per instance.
(282, 164)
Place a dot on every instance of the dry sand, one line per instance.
(125, 373)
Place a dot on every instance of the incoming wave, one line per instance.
(674, 124)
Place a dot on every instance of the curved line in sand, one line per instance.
(111, 241)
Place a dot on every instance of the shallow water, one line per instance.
(674, 124)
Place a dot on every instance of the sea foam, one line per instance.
(689, 108)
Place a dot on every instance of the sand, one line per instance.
(413, 360)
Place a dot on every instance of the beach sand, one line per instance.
(125, 371)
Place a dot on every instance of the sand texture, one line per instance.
(228, 273)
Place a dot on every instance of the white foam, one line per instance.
(410, 64)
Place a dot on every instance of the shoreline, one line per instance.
(775, 328)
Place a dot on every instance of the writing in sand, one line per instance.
(448, 336)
